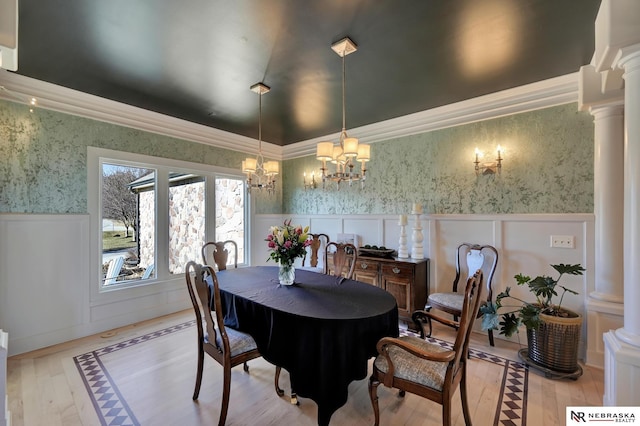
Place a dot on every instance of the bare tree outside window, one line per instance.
(124, 190)
(118, 202)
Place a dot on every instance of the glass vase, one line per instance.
(286, 273)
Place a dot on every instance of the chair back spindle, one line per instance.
(345, 256)
(469, 259)
(220, 253)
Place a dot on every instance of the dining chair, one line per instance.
(227, 346)
(412, 364)
(220, 253)
(318, 241)
(345, 256)
(469, 258)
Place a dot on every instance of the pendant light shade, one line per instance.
(260, 174)
(348, 150)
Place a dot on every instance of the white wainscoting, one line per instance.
(45, 276)
(522, 241)
(45, 271)
(45, 285)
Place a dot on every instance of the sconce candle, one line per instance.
(403, 220)
(309, 185)
(417, 208)
(488, 168)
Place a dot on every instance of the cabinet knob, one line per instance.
(396, 270)
(364, 265)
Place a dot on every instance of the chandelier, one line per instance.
(347, 151)
(260, 174)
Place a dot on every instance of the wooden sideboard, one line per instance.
(405, 279)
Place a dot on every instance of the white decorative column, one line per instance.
(609, 201)
(618, 47)
(603, 96)
(629, 60)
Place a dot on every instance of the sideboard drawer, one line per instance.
(367, 265)
(398, 270)
(367, 271)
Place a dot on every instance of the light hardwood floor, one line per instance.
(157, 378)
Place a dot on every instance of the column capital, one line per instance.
(607, 110)
(617, 25)
(628, 58)
(596, 89)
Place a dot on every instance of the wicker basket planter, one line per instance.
(554, 344)
(553, 332)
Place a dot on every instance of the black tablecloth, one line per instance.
(323, 333)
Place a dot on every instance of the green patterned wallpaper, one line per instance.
(43, 158)
(547, 168)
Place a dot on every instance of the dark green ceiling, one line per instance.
(196, 59)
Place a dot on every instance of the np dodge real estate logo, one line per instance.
(578, 415)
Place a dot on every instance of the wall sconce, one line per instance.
(311, 184)
(490, 168)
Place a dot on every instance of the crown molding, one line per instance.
(542, 94)
(57, 98)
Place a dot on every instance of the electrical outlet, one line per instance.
(563, 241)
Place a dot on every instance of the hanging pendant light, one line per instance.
(348, 150)
(260, 174)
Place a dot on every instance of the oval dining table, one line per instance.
(323, 330)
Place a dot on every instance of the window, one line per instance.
(128, 223)
(230, 216)
(155, 214)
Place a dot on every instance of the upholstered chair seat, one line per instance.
(418, 370)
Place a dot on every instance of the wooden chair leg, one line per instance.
(279, 391)
(226, 389)
(373, 394)
(419, 319)
(428, 309)
(463, 397)
(199, 368)
(446, 412)
(490, 332)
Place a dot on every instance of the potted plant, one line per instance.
(553, 331)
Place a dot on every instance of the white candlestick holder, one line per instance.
(403, 251)
(417, 251)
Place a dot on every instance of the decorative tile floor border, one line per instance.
(112, 409)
